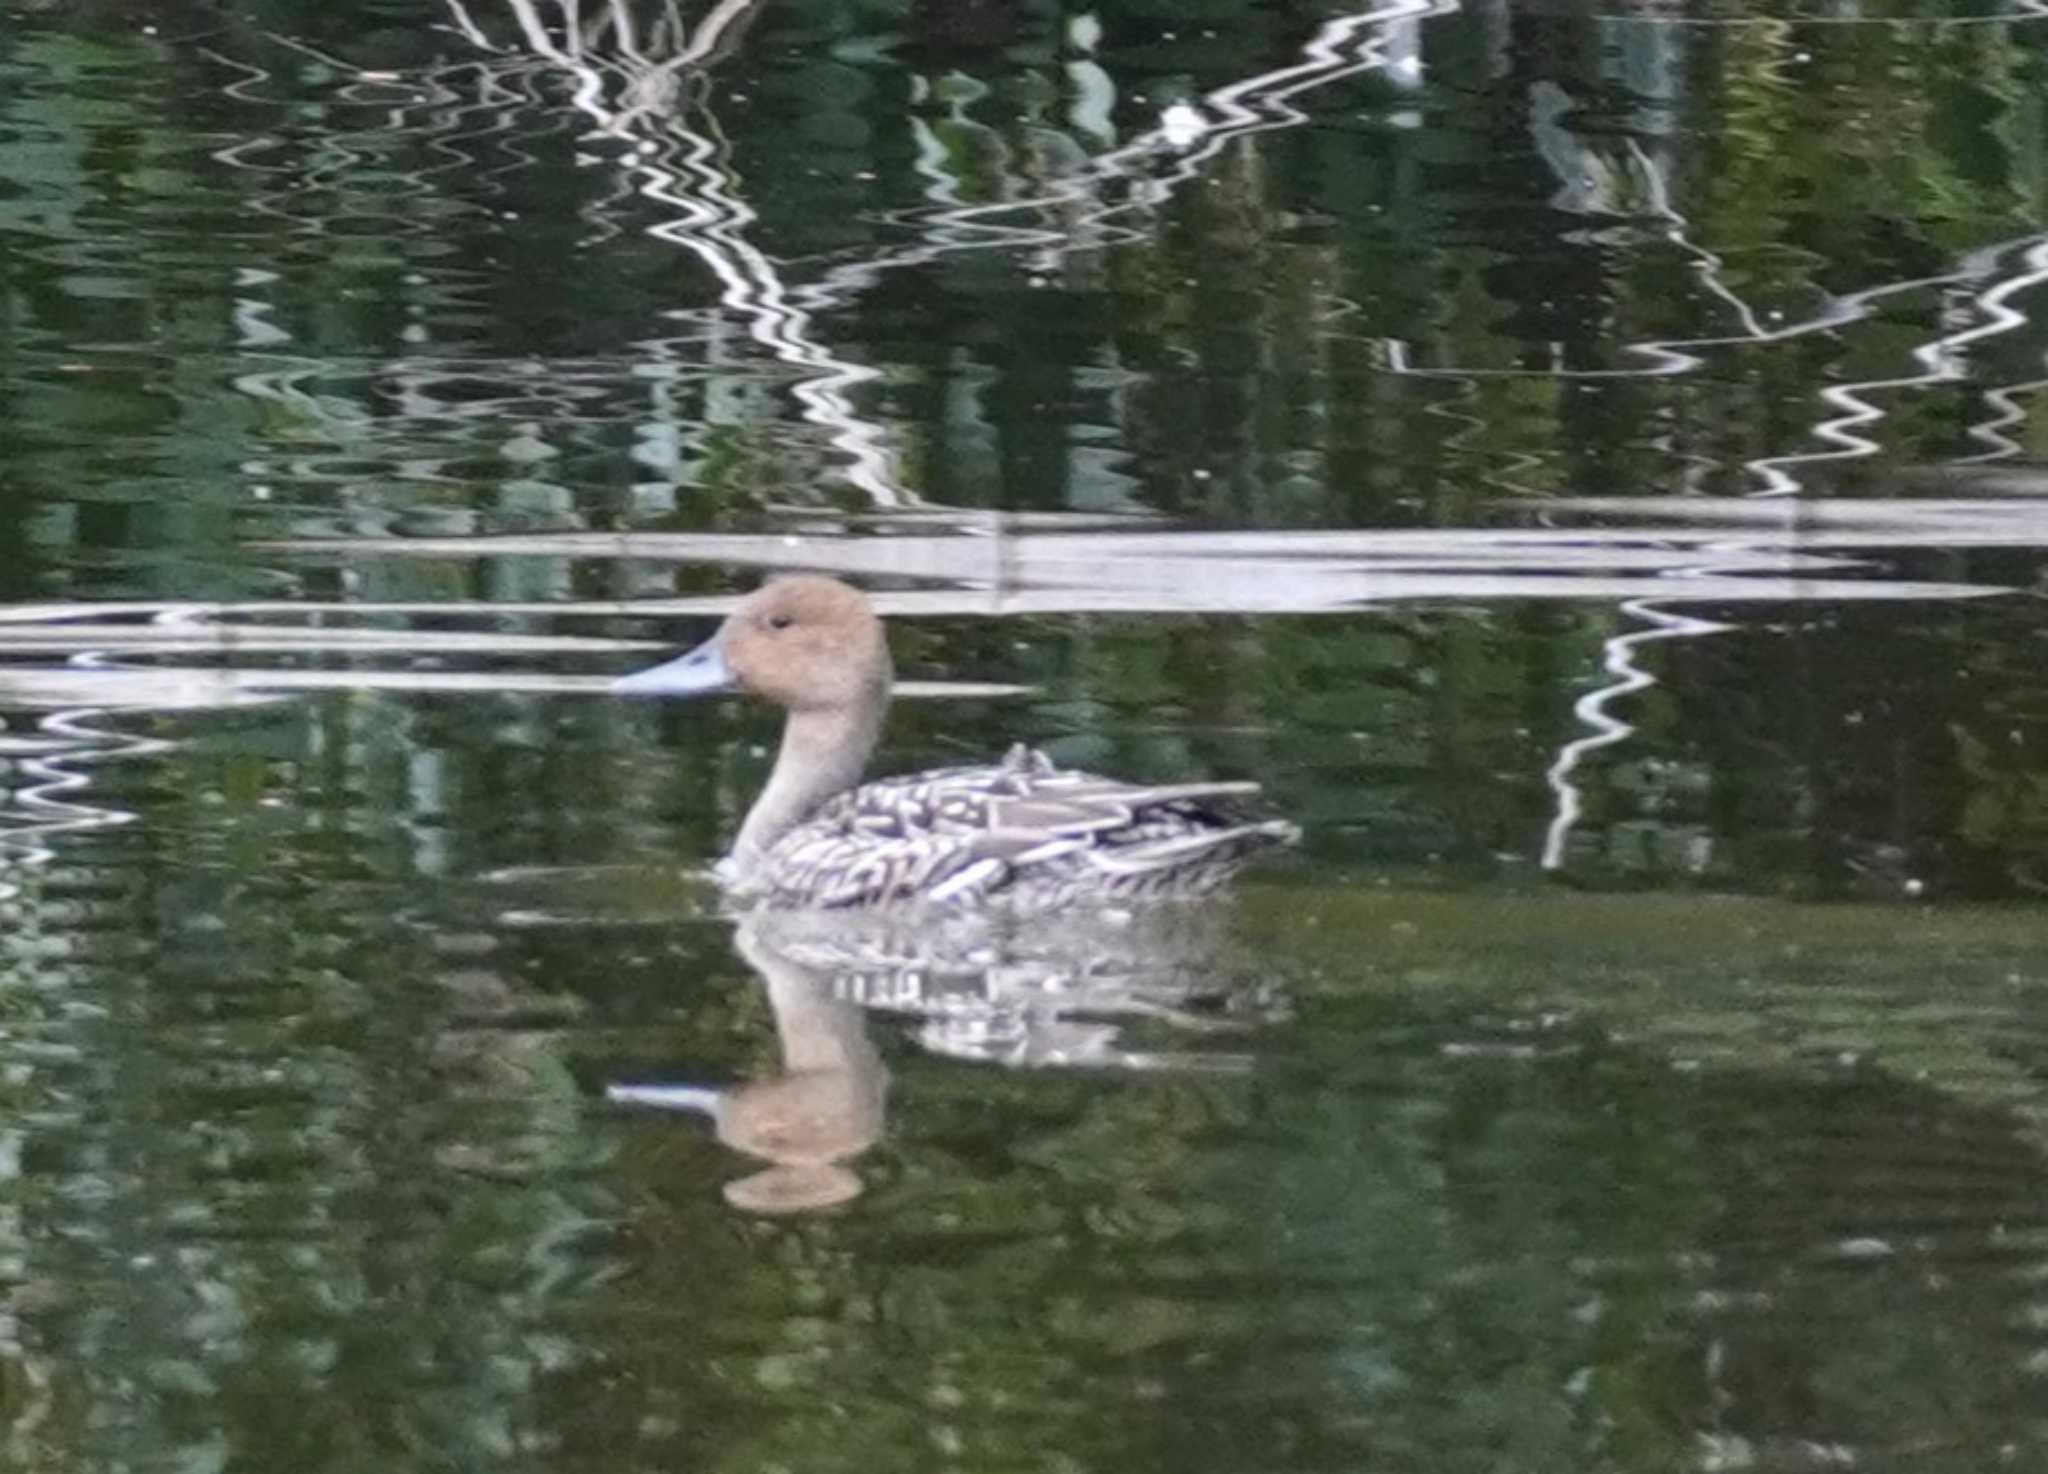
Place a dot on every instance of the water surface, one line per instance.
(1585, 461)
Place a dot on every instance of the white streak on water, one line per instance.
(47, 776)
(2021, 12)
(1606, 729)
(2002, 318)
(1943, 359)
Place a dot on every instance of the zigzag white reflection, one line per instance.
(51, 783)
(684, 168)
(2002, 319)
(1188, 137)
(1619, 661)
(1943, 359)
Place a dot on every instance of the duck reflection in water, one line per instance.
(824, 1109)
(935, 895)
(982, 988)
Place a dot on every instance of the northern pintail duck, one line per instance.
(1022, 830)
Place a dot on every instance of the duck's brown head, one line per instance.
(805, 643)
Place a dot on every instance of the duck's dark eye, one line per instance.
(780, 621)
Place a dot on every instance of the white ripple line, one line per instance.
(26, 846)
(1607, 729)
(714, 217)
(1671, 357)
(713, 227)
(1941, 358)
(2004, 399)
(2003, 319)
(684, 172)
(2023, 11)
(1340, 48)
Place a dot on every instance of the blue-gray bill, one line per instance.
(704, 1098)
(702, 672)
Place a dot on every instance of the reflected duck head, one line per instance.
(806, 643)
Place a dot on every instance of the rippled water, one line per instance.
(1584, 461)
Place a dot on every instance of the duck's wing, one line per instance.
(961, 835)
(1086, 804)
(825, 866)
(1134, 839)
(1176, 860)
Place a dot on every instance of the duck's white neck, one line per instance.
(824, 752)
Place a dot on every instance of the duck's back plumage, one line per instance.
(1023, 831)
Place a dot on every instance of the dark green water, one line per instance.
(1586, 463)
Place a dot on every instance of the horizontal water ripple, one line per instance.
(1302, 571)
